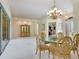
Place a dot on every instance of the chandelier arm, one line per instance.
(54, 13)
(54, 4)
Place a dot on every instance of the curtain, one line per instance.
(64, 26)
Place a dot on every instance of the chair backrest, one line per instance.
(37, 40)
(65, 47)
(67, 40)
(60, 35)
(76, 39)
(42, 36)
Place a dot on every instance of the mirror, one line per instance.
(4, 29)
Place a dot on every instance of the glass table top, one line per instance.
(51, 40)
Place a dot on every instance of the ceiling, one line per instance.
(36, 9)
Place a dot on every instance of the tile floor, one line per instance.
(24, 48)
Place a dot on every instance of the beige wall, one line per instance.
(76, 15)
(18, 21)
(45, 21)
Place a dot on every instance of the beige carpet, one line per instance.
(24, 48)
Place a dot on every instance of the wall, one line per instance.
(48, 20)
(18, 21)
(45, 21)
(76, 15)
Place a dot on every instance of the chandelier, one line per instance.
(54, 12)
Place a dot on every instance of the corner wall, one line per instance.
(6, 6)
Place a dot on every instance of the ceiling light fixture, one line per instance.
(54, 12)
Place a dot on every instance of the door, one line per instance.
(25, 30)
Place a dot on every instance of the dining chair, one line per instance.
(60, 35)
(51, 50)
(76, 43)
(41, 46)
(52, 46)
(63, 49)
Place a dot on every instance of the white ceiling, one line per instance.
(36, 9)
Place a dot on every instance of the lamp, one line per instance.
(54, 12)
